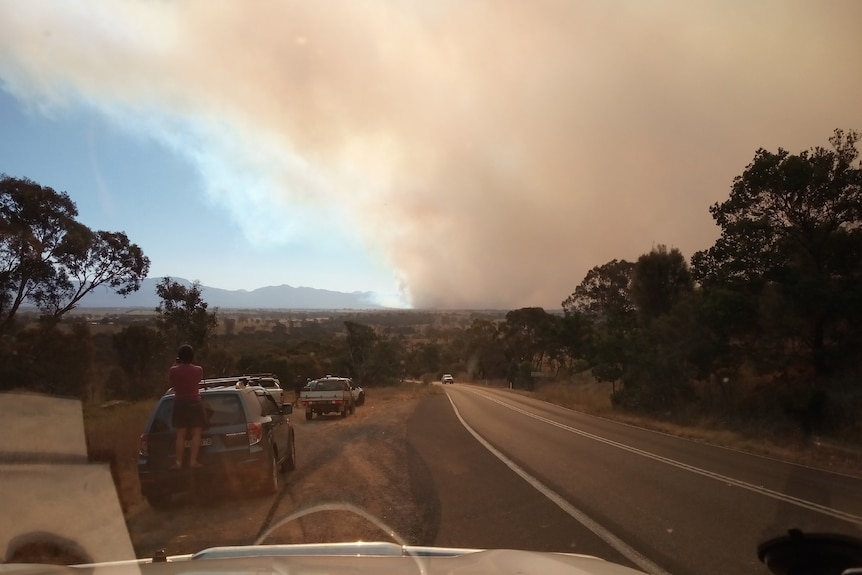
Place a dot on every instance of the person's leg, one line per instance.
(195, 447)
(181, 444)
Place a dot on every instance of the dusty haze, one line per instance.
(491, 152)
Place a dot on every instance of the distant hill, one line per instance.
(271, 297)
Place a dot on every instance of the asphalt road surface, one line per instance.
(510, 471)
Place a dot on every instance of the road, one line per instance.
(589, 485)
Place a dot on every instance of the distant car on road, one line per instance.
(447, 378)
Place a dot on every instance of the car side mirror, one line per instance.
(286, 409)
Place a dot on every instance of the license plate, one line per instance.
(204, 441)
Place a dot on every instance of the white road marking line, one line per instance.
(805, 504)
(627, 551)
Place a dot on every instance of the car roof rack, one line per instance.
(218, 382)
(227, 381)
(213, 382)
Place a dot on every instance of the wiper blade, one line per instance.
(354, 549)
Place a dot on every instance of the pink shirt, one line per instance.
(184, 378)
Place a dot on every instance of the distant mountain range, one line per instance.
(271, 297)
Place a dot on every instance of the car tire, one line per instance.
(159, 500)
(361, 399)
(345, 410)
(290, 461)
(309, 414)
(272, 482)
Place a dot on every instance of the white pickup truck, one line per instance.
(269, 381)
(327, 395)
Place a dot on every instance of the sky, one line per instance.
(440, 153)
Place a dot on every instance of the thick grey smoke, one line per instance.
(491, 151)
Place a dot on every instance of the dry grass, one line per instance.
(117, 428)
(113, 433)
(589, 396)
(584, 394)
(113, 436)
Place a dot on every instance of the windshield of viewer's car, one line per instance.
(626, 236)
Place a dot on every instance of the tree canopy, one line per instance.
(50, 260)
(792, 229)
(183, 315)
(660, 279)
(604, 293)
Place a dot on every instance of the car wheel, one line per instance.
(290, 463)
(309, 414)
(352, 408)
(159, 500)
(345, 410)
(361, 400)
(272, 482)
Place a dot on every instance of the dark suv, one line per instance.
(247, 442)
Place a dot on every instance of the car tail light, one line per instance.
(255, 433)
(144, 448)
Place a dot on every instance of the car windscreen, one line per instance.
(224, 409)
(330, 385)
(221, 409)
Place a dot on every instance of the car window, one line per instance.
(224, 409)
(267, 404)
(221, 409)
(331, 385)
(162, 418)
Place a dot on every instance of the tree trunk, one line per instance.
(818, 356)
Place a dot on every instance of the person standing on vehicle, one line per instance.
(189, 415)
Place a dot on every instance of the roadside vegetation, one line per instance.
(759, 335)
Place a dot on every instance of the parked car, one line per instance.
(328, 395)
(270, 382)
(358, 393)
(447, 378)
(247, 443)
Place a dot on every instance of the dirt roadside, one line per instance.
(363, 460)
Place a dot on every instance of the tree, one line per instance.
(575, 334)
(50, 360)
(373, 358)
(139, 350)
(604, 294)
(794, 222)
(423, 359)
(386, 365)
(106, 258)
(50, 260)
(529, 335)
(182, 314)
(484, 354)
(659, 280)
(361, 339)
(604, 299)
